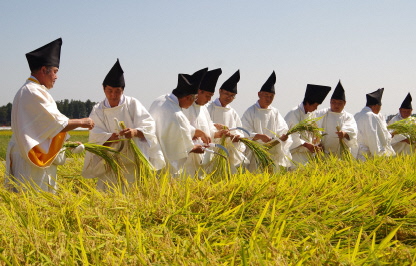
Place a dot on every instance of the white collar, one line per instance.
(302, 108)
(218, 103)
(173, 98)
(107, 104)
(259, 107)
(35, 80)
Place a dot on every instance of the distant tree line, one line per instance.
(70, 108)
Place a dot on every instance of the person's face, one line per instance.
(405, 113)
(204, 97)
(375, 108)
(187, 101)
(337, 105)
(113, 94)
(265, 98)
(309, 108)
(49, 75)
(226, 97)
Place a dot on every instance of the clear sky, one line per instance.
(366, 44)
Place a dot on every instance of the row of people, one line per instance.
(178, 127)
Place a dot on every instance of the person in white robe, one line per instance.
(338, 125)
(265, 123)
(173, 129)
(373, 137)
(140, 127)
(222, 114)
(305, 146)
(399, 142)
(199, 118)
(39, 128)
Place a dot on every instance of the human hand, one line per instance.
(87, 123)
(406, 141)
(235, 138)
(129, 133)
(201, 134)
(220, 133)
(284, 137)
(197, 149)
(312, 148)
(342, 134)
(219, 126)
(262, 137)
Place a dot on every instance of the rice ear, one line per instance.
(344, 150)
(260, 152)
(220, 165)
(406, 127)
(108, 154)
(308, 125)
(144, 168)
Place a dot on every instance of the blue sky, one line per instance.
(366, 44)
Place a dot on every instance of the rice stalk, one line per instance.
(108, 154)
(307, 125)
(143, 167)
(220, 163)
(344, 149)
(406, 127)
(273, 142)
(260, 153)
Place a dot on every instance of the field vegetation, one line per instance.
(329, 212)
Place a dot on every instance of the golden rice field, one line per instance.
(330, 212)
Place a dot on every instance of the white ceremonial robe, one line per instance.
(300, 154)
(398, 145)
(329, 122)
(373, 137)
(199, 118)
(35, 122)
(228, 117)
(173, 130)
(258, 120)
(135, 116)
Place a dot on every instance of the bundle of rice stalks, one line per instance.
(405, 127)
(220, 163)
(271, 144)
(108, 154)
(344, 150)
(304, 126)
(260, 153)
(308, 126)
(143, 167)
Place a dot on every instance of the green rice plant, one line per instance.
(345, 152)
(306, 125)
(144, 168)
(406, 127)
(219, 167)
(5, 136)
(108, 154)
(325, 213)
(260, 153)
